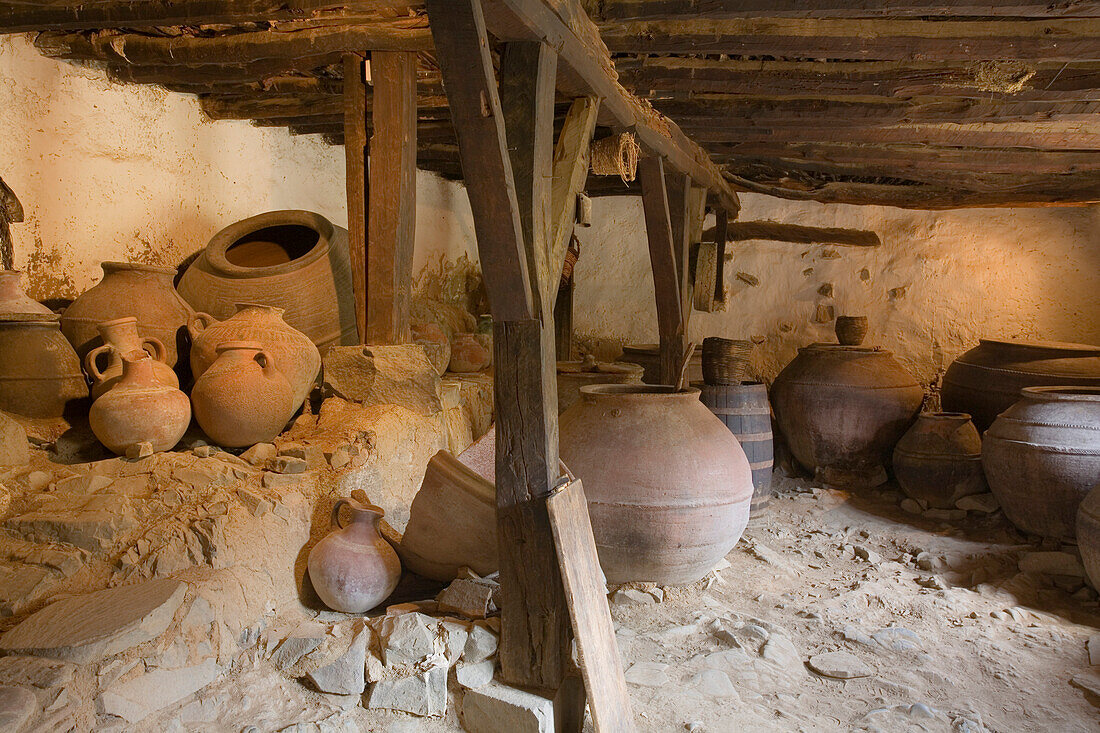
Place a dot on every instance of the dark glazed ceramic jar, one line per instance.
(668, 485)
(1042, 455)
(39, 371)
(939, 459)
(842, 410)
(294, 260)
(987, 380)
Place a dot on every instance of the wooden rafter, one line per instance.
(666, 9)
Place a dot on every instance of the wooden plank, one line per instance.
(571, 155)
(356, 153)
(721, 228)
(587, 69)
(392, 219)
(740, 231)
(678, 191)
(1066, 40)
(466, 63)
(563, 323)
(705, 276)
(663, 261)
(673, 9)
(586, 597)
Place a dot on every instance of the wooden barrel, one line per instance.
(745, 411)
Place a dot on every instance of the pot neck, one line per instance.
(11, 284)
(139, 370)
(639, 394)
(122, 334)
(958, 418)
(136, 271)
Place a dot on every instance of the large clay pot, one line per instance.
(353, 569)
(295, 355)
(471, 352)
(294, 260)
(13, 300)
(744, 409)
(572, 375)
(987, 380)
(939, 459)
(668, 486)
(128, 289)
(121, 339)
(649, 357)
(1088, 534)
(140, 408)
(842, 409)
(39, 371)
(242, 398)
(1042, 455)
(452, 522)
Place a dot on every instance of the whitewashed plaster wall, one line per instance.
(124, 172)
(956, 276)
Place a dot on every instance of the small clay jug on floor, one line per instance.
(353, 569)
(12, 298)
(851, 330)
(121, 338)
(243, 398)
(140, 408)
(296, 356)
(939, 459)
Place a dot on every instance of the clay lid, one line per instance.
(29, 318)
(600, 367)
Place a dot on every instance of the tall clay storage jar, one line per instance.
(668, 486)
(987, 380)
(1088, 534)
(1042, 456)
(128, 289)
(842, 410)
(39, 371)
(744, 409)
(294, 260)
(939, 459)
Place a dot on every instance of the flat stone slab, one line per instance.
(496, 708)
(839, 665)
(17, 705)
(139, 698)
(93, 626)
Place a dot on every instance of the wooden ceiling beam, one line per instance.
(855, 39)
(260, 106)
(725, 9)
(584, 64)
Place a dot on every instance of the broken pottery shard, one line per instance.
(984, 503)
(345, 674)
(90, 627)
(138, 698)
(288, 465)
(496, 708)
(424, 693)
(469, 598)
(384, 375)
(839, 665)
(632, 597)
(259, 454)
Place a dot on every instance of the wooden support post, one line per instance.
(392, 219)
(665, 260)
(356, 152)
(563, 323)
(10, 211)
(721, 220)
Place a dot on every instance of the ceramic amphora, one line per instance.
(242, 398)
(353, 569)
(139, 407)
(121, 338)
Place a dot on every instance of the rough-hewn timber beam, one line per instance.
(588, 67)
(741, 231)
(264, 106)
(885, 40)
(673, 9)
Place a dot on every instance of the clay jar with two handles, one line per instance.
(121, 339)
(242, 398)
(139, 407)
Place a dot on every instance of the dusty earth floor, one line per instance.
(948, 633)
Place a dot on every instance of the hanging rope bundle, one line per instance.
(616, 155)
(571, 256)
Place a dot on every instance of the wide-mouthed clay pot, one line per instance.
(1042, 456)
(129, 289)
(939, 459)
(668, 485)
(13, 300)
(242, 398)
(39, 371)
(295, 355)
(572, 375)
(294, 260)
(140, 408)
(842, 409)
(121, 339)
(353, 569)
(987, 380)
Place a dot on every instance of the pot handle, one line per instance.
(90, 359)
(199, 322)
(335, 521)
(157, 351)
(263, 358)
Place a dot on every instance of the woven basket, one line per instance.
(725, 360)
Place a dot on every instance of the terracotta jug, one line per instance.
(1088, 534)
(39, 371)
(295, 355)
(129, 289)
(121, 338)
(140, 408)
(242, 398)
(668, 485)
(939, 459)
(1042, 456)
(353, 569)
(12, 298)
(296, 260)
(471, 352)
(842, 410)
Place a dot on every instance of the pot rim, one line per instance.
(843, 347)
(637, 392)
(1067, 347)
(260, 306)
(40, 318)
(946, 415)
(852, 319)
(110, 266)
(1062, 393)
(118, 321)
(230, 235)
